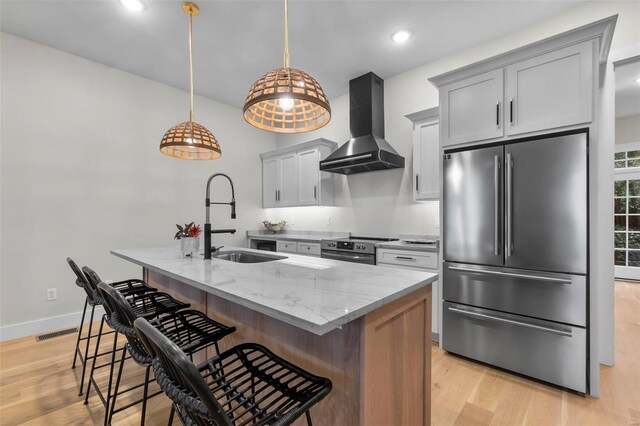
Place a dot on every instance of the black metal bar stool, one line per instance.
(128, 287)
(191, 330)
(245, 385)
(146, 305)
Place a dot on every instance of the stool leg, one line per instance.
(308, 418)
(145, 394)
(86, 348)
(75, 352)
(113, 362)
(93, 363)
(173, 410)
(115, 390)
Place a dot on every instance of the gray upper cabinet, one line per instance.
(291, 176)
(551, 90)
(472, 109)
(270, 182)
(288, 195)
(426, 154)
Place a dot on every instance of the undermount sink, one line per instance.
(240, 256)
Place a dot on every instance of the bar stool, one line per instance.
(191, 330)
(127, 287)
(245, 385)
(146, 305)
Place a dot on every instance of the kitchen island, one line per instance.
(367, 328)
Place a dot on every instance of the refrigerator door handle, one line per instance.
(496, 204)
(509, 197)
(511, 274)
(512, 322)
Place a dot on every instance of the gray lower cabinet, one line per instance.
(545, 350)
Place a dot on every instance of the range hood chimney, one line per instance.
(367, 150)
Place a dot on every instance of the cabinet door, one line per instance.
(472, 109)
(308, 177)
(426, 160)
(550, 90)
(269, 182)
(288, 170)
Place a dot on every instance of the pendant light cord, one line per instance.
(286, 33)
(190, 66)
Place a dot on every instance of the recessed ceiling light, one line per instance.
(133, 5)
(401, 36)
(638, 80)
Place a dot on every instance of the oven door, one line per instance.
(368, 259)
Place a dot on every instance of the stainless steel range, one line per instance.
(352, 249)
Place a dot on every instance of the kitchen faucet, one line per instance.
(208, 249)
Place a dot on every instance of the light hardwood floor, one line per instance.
(37, 387)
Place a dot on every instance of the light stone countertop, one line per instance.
(314, 294)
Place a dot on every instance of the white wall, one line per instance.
(382, 201)
(81, 174)
(628, 129)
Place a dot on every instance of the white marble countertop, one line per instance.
(314, 294)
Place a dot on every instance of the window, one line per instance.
(627, 222)
(627, 159)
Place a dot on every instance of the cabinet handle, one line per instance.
(276, 195)
(405, 258)
(511, 111)
(497, 114)
(417, 184)
(315, 192)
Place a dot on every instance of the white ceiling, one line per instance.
(235, 42)
(628, 89)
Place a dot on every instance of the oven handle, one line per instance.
(347, 257)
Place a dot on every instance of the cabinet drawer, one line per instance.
(408, 258)
(311, 249)
(287, 246)
(548, 351)
(555, 297)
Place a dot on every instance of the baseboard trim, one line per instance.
(44, 325)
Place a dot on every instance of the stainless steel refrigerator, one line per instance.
(515, 251)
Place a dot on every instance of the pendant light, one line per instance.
(190, 140)
(287, 100)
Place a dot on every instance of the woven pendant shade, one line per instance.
(190, 141)
(310, 108)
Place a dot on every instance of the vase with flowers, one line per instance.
(189, 236)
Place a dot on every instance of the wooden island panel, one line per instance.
(379, 364)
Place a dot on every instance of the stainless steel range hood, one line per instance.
(367, 150)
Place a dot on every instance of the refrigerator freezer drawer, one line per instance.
(549, 296)
(543, 350)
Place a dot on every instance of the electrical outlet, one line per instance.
(436, 222)
(52, 294)
(329, 220)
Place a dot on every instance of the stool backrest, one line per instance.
(92, 278)
(122, 318)
(187, 385)
(81, 279)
